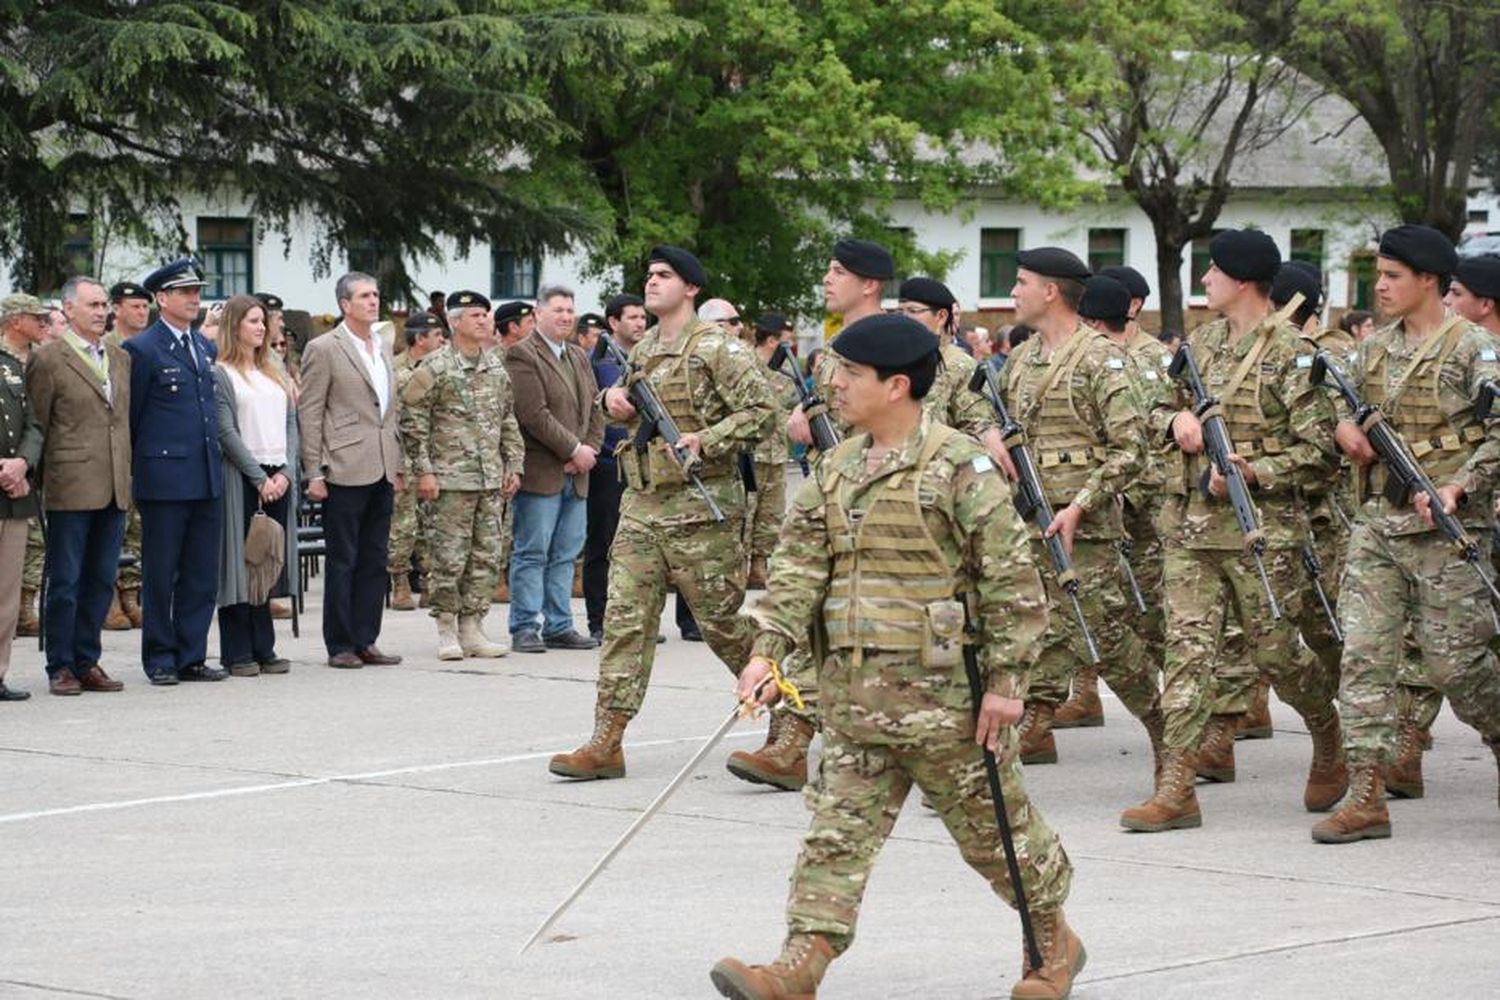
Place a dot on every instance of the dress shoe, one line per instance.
(275, 666)
(247, 669)
(597, 634)
(97, 680)
(373, 656)
(527, 641)
(64, 682)
(569, 640)
(345, 661)
(11, 694)
(167, 678)
(201, 672)
(692, 635)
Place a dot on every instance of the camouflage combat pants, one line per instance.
(507, 541)
(765, 509)
(859, 794)
(1146, 561)
(1201, 586)
(36, 557)
(464, 547)
(409, 530)
(1413, 579)
(1107, 610)
(707, 566)
(130, 576)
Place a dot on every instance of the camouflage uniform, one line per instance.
(457, 422)
(1283, 426)
(667, 538)
(931, 522)
(951, 400)
(1399, 570)
(767, 505)
(36, 557)
(409, 520)
(1149, 359)
(1086, 426)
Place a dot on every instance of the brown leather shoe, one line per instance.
(97, 680)
(65, 683)
(345, 661)
(795, 975)
(373, 656)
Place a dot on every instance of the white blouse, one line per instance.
(260, 404)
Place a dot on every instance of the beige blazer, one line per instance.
(556, 410)
(345, 438)
(86, 454)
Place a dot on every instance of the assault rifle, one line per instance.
(655, 420)
(1404, 477)
(1216, 445)
(825, 435)
(1031, 501)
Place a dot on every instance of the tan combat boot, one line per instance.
(27, 623)
(448, 644)
(1156, 729)
(793, 976)
(1256, 723)
(474, 642)
(130, 603)
(1403, 776)
(1363, 815)
(1175, 804)
(756, 579)
(116, 620)
(602, 756)
(1328, 779)
(782, 762)
(1216, 752)
(1083, 709)
(1038, 745)
(401, 599)
(1063, 958)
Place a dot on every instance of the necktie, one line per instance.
(187, 345)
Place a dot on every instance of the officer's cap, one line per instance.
(1053, 262)
(1480, 275)
(928, 291)
(885, 340)
(1245, 254)
(510, 312)
(1298, 276)
(182, 273)
(270, 301)
(685, 264)
(1132, 279)
(467, 300)
(1420, 248)
(1106, 299)
(122, 290)
(21, 304)
(865, 258)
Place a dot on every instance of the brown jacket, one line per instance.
(556, 410)
(86, 453)
(345, 438)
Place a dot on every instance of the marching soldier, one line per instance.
(423, 335)
(898, 530)
(1423, 372)
(768, 503)
(1281, 428)
(465, 448)
(707, 382)
(1072, 390)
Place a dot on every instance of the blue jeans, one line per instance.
(549, 530)
(83, 556)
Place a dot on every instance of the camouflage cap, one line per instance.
(21, 304)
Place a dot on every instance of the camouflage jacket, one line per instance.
(458, 421)
(772, 447)
(1294, 414)
(1149, 360)
(951, 400)
(968, 511)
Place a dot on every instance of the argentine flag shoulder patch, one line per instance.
(1488, 354)
(982, 464)
(1304, 361)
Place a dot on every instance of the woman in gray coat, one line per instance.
(258, 437)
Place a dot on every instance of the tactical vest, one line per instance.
(671, 376)
(1064, 448)
(1440, 445)
(1240, 403)
(892, 588)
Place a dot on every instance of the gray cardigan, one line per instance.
(239, 465)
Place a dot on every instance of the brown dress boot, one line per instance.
(1175, 804)
(1038, 745)
(27, 623)
(1403, 776)
(130, 603)
(756, 579)
(782, 762)
(1083, 709)
(793, 976)
(116, 620)
(1256, 723)
(401, 599)
(1216, 752)
(1063, 958)
(1328, 779)
(602, 756)
(1363, 815)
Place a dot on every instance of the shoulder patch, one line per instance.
(1488, 354)
(1304, 361)
(982, 464)
(1114, 363)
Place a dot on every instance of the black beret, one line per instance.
(679, 260)
(128, 290)
(182, 273)
(509, 312)
(928, 291)
(270, 301)
(1245, 254)
(465, 300)
(1298, 276)
(773, 322)
(1105, 298)
(592, 321)
(1421, 248)
(1132, 279)
(1480, 275)
(420, 321)
(1053, 262)
(885, 340)
(865, 258)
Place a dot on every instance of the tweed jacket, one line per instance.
(86, 449)
(345, 437)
